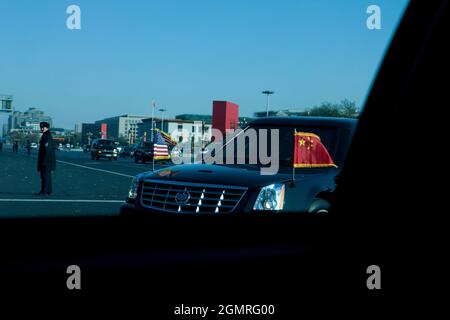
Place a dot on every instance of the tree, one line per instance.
(344, 109)
(349, 109)
(76, 139)
(34, 137)
(123, 141)
(17, 136)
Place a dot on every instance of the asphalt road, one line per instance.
(81, 186)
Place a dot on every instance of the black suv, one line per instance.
(206, 188)
(103, 148)
(143, 152)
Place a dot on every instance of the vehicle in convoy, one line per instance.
(103, 148)
(143, 152)
(86, 148)
(126, 152)
(119, 148)
(132, 148)
(232, 188)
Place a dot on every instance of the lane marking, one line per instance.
(133, 166)
(95, 169)
(62, 200)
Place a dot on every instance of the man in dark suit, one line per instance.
(46, 159)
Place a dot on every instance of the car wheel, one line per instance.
(110, 159)
(92, 156)
(320, 206)
(135, 159)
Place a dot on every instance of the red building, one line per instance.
(104, 131)
(225, 116)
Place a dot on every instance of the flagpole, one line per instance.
(293, 164)
(153, 157)
(153, 114)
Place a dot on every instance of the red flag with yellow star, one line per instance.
(309, 152)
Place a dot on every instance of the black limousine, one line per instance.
(241, 188)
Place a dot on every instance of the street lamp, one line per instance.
(268, 93)
(162, 117)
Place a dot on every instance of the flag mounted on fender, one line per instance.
(309, 152)
(160, 148)
(167, 138)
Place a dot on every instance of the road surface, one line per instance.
(81, 186)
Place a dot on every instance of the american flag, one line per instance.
(160, 148)
(167, 138)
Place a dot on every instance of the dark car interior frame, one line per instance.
(269, 255)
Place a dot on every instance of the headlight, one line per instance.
(270, 198)
(132, 193)
(115, 151)
(99, 151)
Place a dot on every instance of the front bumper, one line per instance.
(131, 209)
(128, 209)
(106, 155)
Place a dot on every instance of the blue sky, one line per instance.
(186, 54)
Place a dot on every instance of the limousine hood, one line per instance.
(217, 174)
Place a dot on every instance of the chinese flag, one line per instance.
(309, 152)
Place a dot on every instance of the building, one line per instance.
(121, 126)
(6, 103)
(225, 116)
(77, 129)
(89, 131)
(281, 113)
(27, 121)
(180, 130)
(195, 117)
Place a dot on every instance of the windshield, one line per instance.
(334, 139)
(148, 146)
(107, 143)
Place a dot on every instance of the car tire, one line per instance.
(110, 159)
(92, 156)
(319, 206)
(135, 159)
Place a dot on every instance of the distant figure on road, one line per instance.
(46, 159)
(28, 147)
(16, 147)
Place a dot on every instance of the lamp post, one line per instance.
(267, 93)
(162, 118)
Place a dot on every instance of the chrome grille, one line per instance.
(186, 197)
